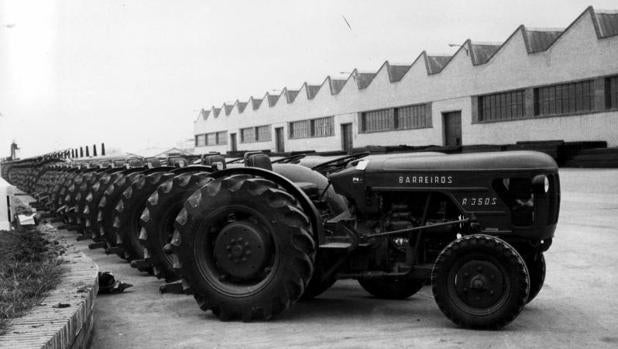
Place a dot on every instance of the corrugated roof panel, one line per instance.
(481, 53)
(364, 79)
(312, 90)
(290, 95)
(336, 85)
(242, 106)
(540, 40)
(228, 108)
(396, 72)
(272, 100)
(608, 23)
(435, 64)
(255, 103)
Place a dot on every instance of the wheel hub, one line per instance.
(242, 250)
(480, 284)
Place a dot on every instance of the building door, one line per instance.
(280, 145)
(346, 137)
(233, 142)
(452, 128)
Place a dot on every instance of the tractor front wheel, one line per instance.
(480, 281)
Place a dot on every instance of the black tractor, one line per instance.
(256, 239)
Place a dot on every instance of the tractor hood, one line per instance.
(512, 160)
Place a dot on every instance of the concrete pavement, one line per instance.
(576, 308)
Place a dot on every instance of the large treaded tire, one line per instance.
(159, 216)
(128, 211)
(537, 269)
(288, 246)
(318, 283)
(92, 200)
(391, 288)
(480, 269)
(108, 203)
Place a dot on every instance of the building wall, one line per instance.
(577, 54)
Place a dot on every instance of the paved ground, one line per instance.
(576, 308)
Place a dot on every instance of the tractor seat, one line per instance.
(257, 159)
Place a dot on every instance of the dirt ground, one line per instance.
(576, 308)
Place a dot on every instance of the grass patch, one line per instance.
(29, 268)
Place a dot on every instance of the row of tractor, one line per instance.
(250, 236)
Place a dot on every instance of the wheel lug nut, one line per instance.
(244, 259)
(248, 252)
(491, 292)
(246, 244)
(479, 269)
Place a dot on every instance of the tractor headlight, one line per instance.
(540, 184)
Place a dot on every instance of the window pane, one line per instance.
(263, 133)
(247, 135)
(566, 98)
(222, 137)
(502, 106)
(300, 129)
(379, 120)
(412, 116)
(323, 127)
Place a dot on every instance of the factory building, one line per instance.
(539, 84)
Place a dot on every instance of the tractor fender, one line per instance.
(308, 207)
(297, 173)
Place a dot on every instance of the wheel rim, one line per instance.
(479, 285)
(236, 253)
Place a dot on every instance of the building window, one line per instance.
(400, 118)
(211, 138)
(611, 92)
(412, 116)
(263, 133)
(377, 120)
(247, 135)
(255, 134)
(564, 98)
(320, 127)
(200, 140)
(300, 129)
(323, 127)
(502, 106)
(222, 137)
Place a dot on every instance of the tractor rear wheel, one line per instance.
(158, 219)
(245, 248)
(391, 288)
(480, 281)
(128, 211)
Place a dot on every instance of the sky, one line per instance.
(134, 74)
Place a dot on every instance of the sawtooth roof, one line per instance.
(536, 41)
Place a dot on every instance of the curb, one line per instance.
(46, 326)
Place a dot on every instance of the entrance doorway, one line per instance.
(233, 146)
(346, 137)
(280, 144)
(452, 128)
